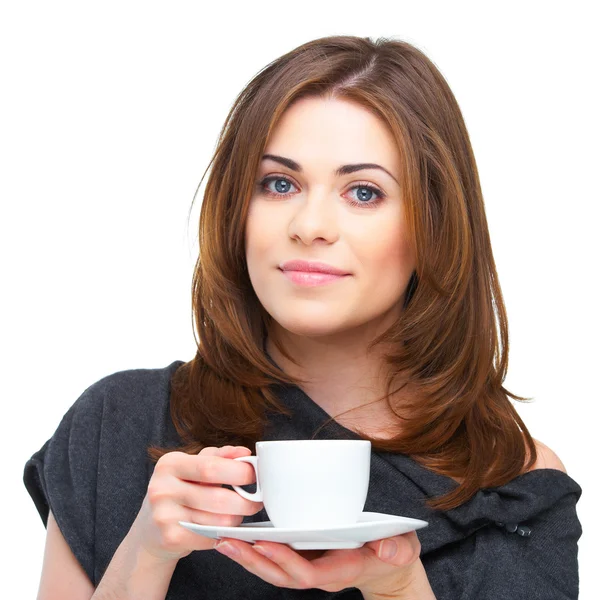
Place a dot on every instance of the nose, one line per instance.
(314, 217)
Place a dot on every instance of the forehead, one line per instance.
(317, 130)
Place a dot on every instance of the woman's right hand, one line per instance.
(187, 487)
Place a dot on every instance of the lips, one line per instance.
(311, 267)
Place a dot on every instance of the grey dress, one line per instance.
(507, 543)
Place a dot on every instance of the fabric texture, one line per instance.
(93, 474)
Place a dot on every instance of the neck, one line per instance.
(339, 375)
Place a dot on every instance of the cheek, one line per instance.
(386, 248)
(386, 260)
(261, 234)
(252, 231)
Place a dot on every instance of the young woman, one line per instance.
(345, 289)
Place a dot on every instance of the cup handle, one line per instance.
(257, 496)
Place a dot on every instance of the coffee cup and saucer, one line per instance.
(314, 492)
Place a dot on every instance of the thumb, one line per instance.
(399, 550)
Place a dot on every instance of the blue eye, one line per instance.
(362, 186)
(279, 192)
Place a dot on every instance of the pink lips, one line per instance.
(311, 273)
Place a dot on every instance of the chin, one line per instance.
(313, 325)
(308, 324)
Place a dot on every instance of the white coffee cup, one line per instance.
(310, 484)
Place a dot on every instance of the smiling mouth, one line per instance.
(311, 278)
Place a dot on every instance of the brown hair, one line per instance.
(462, 423)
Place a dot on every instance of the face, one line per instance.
(354, 221)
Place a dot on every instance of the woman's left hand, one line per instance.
(365, 568)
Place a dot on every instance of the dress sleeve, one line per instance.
(531, 554)
(547, 560)
(62, 476)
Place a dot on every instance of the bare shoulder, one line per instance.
(547, 458)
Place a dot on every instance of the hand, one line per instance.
(333, 570)
(187, 487)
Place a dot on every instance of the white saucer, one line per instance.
(369, 527)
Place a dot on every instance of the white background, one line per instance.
(110, 113)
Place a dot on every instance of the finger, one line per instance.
(409, 548)
(231, 452)
(210, 467)
(227, 451)
(192, 539)
(224, 452)
(204, 517)
(405, 550)
(297, 567)
(256, 564)
(214, 499)
(340, 567)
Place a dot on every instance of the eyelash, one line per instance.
(367, 204)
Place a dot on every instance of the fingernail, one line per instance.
(263, 551)
(227, 549)
(387, 549)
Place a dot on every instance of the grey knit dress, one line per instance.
(517, 541)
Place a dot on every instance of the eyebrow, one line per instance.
(343, 170)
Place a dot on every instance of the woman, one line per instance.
(354, 154)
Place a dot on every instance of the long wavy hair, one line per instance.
(452, 335)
